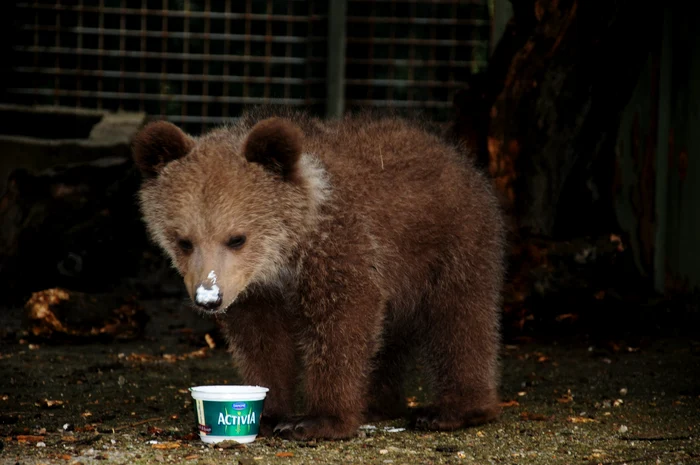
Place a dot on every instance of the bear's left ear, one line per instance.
(157, 144)
(276, 144)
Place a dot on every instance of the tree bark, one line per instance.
(544, 117)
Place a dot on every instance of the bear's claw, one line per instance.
(435, 419)
(320, 427)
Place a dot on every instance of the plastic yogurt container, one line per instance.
(228, 412)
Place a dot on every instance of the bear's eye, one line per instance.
(185, 245)
(235, 242)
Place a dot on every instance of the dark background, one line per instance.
(582, 113)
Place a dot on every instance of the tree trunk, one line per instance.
(544, 117)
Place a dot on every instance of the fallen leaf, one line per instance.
(192, 457)
(169, 358)
(582, 420)
(166, 445)
(566, 398)
(155, 430)
(284, 454)
(210, 341)
(510, 403)
(527, 416)
(29, 438)
(85, 429)
(47, 403)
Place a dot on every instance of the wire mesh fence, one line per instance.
(200, 62)
(413, 54)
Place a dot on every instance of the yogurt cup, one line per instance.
(228, 412)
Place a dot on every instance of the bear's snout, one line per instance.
(209, 298)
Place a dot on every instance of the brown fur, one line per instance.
(275, 143)
(383, 241)
(157, 144)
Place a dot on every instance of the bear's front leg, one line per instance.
(264, 352)
(340, 328)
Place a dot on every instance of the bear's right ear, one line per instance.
(276, 144)
(157, 144)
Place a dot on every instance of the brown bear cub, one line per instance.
(333, 249)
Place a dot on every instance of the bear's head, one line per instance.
(228, 207)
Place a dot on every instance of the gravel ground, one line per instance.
(567, 402)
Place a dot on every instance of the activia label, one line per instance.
(217, 418)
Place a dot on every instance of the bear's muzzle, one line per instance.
(208, 298)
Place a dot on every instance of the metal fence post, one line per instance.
(335, 85)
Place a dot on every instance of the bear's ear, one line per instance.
(157, 144)
(276, 144)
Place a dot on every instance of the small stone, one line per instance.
(394, 430)
(623, 391)
(41, 444)
(623, 429)
(383, 451)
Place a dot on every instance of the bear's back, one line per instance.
(389, 166)
(423, 203)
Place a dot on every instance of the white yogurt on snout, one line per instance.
(206, 295)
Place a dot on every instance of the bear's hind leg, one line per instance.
(387, 396)
(461, 343)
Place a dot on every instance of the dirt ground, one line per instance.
(567, 401)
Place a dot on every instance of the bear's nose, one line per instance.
(208, 298)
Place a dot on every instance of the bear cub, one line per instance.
(329, 252)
